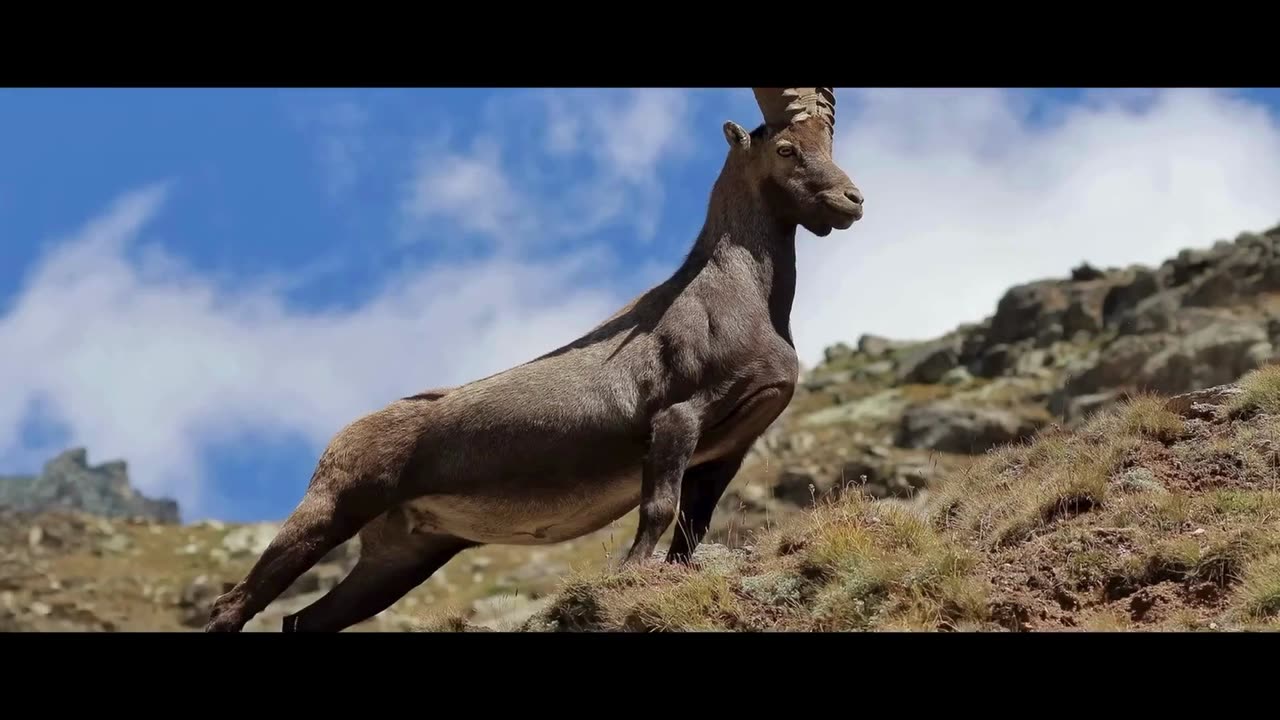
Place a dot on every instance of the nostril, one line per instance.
(854, 195)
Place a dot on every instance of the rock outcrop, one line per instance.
(68, 482)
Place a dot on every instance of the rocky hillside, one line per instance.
(1153, 514)
(907, 424)
(891, 416)
(92, 561)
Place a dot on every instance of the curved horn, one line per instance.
(783, 106)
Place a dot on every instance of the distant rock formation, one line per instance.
(69, 483)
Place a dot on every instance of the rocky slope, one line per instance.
(1153, 514)
(902, 422)
(890, 416)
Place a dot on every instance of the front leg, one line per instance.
(700, 492)
(674, 436)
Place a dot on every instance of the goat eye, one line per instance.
(786, 150)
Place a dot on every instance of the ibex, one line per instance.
(656, 407)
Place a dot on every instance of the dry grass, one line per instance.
(872, 563)
(1143, 416)
(1259, 591)
(1260, 391)
(852, 563)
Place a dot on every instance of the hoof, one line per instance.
(225, 615)
(220, 625)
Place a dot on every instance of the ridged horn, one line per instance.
(783, 106)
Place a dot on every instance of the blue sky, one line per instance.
(210, 283)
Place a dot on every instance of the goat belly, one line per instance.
(523, 515)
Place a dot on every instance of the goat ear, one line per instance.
(737, 136)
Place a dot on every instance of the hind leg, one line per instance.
(392, 562)
(333, 509)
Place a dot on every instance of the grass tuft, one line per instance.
(1259, 591)
(1259, 390)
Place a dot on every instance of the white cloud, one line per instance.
(512, 183)
(965, 198)
(142, 360)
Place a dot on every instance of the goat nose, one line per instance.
(854, 194)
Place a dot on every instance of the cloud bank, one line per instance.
(136, 358)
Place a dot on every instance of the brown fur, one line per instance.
(655, 407)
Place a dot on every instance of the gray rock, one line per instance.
(1122, 298)
(796, 487)
(716, 558)
(996, 361)
(928, 362)
(837, 352)
(68, 482)
(1085, 272)
(1214, 355)
(1269, 279)
(816, 383)
(773, 588)
(876, 346)
(1190, 263)
(871, 370)
(948, 426)
(1117, 365)
(195, 602)
(1033, 362)
(1024, 309)
(1049, 334)
(1140, 479)
(1079, 318)
(1213, 288)
(1155, 314)
(881, 407)
(957, 376)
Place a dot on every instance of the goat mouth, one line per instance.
(843, 219)
(842, 215)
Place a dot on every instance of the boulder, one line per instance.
(1121, 298)
(949, 426)
(876, 346)
(797, 487)
(1214, 355)
(928, 362)
(1024, 309)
